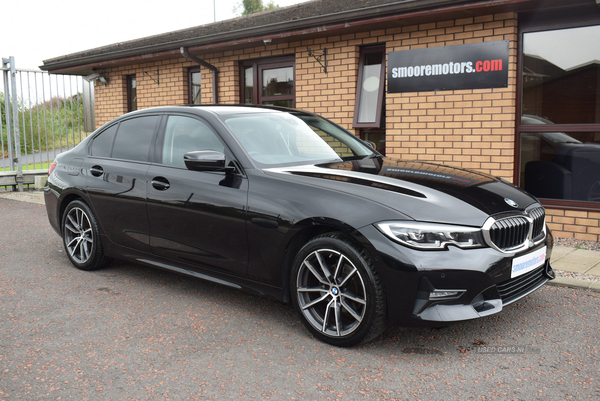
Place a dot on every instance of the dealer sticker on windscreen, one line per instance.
(527, 263)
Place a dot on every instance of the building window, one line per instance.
(370, 96)
(248, 84)
(558, 129)
(194, 78)
(131, 93)
(370, 89)
(268, 81)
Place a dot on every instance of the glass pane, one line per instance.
(377, 139)
(249, 85)
(133, 138)
(102, 144)
(281, 103)
(132, 93)
(281, 138)
(196, 77)
(278, 81)
(185, 134)
(561, 75)
(369, 88)
(556, 165)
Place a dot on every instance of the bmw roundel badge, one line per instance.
(511, 202)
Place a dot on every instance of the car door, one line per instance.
(196, 217)
(116, 180)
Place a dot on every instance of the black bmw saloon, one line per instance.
(286, 204)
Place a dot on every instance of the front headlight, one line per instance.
(431, 236)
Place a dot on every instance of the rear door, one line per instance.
(116, 179)
(195, 217)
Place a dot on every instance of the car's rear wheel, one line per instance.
(81, 237)
(337, 292)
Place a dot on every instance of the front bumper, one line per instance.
(432, 288)
(489, 301)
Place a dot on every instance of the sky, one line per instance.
(37, 30)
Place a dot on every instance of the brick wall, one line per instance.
(574, 224)
(464, 128)
(331, 95)
(111, 99)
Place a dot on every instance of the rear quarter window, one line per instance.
(102, 144)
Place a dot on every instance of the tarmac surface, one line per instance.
(128, 332)
(575, 268)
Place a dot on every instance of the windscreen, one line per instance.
(273, 139)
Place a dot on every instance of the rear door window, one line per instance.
(134, 138)
(132, 142)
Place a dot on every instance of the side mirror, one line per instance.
(205, 160)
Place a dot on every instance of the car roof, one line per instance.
(223, 110)
(220, 109)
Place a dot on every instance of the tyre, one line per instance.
(81, 237)
(337, 292)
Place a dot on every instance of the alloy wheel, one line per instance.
(331, 293)
(79, 236)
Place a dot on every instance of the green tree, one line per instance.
(254, 6)
(2, 110)
(54, 124)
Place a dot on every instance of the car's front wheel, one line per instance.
(337, 292)
(81, 237)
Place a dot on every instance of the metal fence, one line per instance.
(42, 115)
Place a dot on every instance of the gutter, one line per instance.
(215, 71)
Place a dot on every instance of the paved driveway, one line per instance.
(134, 333)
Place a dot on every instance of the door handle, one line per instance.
(160, 183)
(96, 171)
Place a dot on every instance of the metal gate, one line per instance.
(42, 115)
